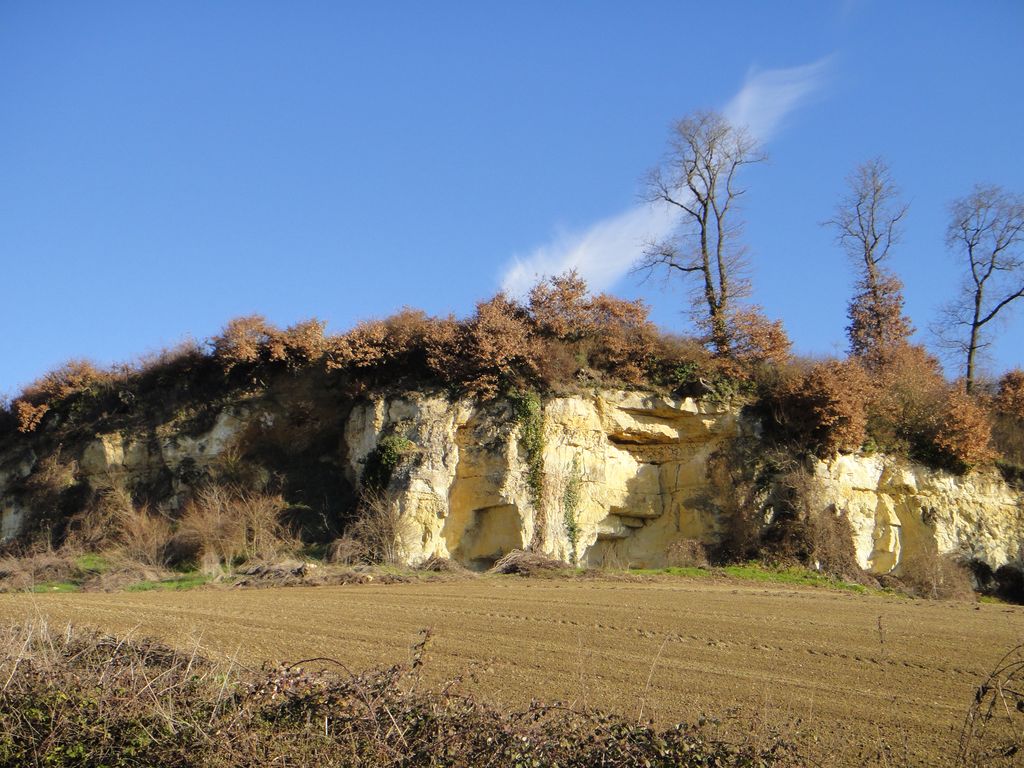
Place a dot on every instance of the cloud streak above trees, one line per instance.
(603, 252)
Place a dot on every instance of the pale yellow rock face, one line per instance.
(638, 462)
(896, 508)
(628, 469)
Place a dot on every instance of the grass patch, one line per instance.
(790, 575)
(174, 584)
(91, 562)
(690, 572)
(761, 573)
(55, 586)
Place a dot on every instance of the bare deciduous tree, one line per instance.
(698, 178)
(867, 223)
(986, 229)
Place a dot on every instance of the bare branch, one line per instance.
(698, 177)
(987, 229)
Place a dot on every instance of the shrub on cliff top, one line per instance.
(71, 378)
(1008, 418)
(824, 409)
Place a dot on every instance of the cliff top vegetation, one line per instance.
(560, 340)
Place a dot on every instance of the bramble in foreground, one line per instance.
(85, 699)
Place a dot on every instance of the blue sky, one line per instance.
(167, 166)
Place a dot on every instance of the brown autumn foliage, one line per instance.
(561, 306)
(299, 345)
(908, 392)
(914, 410)
(1009, 399)
(563, 336)
(1008, 418)
(756, 340)
(241, 341)
(963, 431)
(825, 407)
(494, 349)
(29, 416)
(37, 398)
(877, 323)
(399, 340)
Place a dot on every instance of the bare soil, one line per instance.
(858, 679)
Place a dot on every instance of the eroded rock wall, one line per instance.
(898, 509)
(625, 475)
(636, 464)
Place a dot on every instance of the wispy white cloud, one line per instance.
(605, 251)
(768, 97)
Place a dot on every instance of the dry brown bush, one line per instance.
(297, 346)
(1009, 399)
(625, 342)
(756, 340)
(143, 535)
(963, 432)
(1008, 418)
(908, 392)
(380, 528)
(560, 306)
(38, 398)
(401, 341)
(345, 550)
(29, 416)
(25, 570)
(825, 408)
(362, 347)
(242, 341)
(228, 525)
(72, 377)
(523, 563)
(494, 350)
(927, 573)
(181, 357)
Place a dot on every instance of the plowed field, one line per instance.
(852, 671)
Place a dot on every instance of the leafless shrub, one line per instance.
(84, 698)
(927, 573)
(380, 528)
(345, 550)
(143, 535)
(436, 564)
(227, 525)
(25, 570)
(523, 563)
(993, 730)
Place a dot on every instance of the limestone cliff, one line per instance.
(624, 475)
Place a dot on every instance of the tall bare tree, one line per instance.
(867, 223)
(986, 229)
(698, 177)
